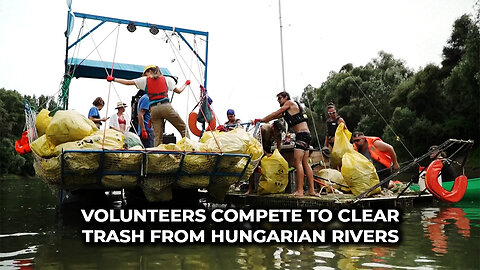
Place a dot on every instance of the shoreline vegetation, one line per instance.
(421, 108)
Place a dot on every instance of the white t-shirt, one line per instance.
(141, 83)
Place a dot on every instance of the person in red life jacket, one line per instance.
(381, 154)
(292, 113)
(332, 123)
(120, 121)
(157, 86)
(94, 113)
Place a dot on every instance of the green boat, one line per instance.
(473, 189)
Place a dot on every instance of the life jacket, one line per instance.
(293, 120)
(22, 146)
(157, 89)
(382, 157)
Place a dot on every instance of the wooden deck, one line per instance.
(327, 201)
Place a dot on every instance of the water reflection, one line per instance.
(437, 220)
(34, 235)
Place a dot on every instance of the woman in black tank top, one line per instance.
(332, 123)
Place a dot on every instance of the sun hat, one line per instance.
(121, 105)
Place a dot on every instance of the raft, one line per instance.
(473, 189)
(155, 172)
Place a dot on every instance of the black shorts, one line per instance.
(303, 140)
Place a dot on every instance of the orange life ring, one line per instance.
(192, 124)
(22, 146)
(431, 182)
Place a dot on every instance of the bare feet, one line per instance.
(298, 193)
(313, 194)
(248, 192)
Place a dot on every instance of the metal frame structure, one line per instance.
(103, 19)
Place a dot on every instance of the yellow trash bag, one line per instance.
(234, 142)
(359, 173)
(274, 178)
(113, 140)
(163, 163)
(42, 147)
(68, 126)
(255, 149)
(208, 134)
(342, 145)
(42, 121)
(195, 164)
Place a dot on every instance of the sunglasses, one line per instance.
(334, 112)
(356, 140)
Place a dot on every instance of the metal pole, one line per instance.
(281, 41)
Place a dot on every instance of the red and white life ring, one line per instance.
(431, 182)
(192, 124)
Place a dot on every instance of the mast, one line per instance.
(281, 41)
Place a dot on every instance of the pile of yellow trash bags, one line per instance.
(357, 171)
(69, 130)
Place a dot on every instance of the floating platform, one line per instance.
(331, 201)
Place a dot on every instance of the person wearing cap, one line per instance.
(232, 121)
(94, 113)
(120, 121)
(157, 87)
(448, 173)
(381, 154)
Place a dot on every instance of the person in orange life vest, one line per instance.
(94, 113)
(157, 86)
(381, 154)
(293, 115)
(332, 123)
(120, 121)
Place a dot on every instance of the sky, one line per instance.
(244, 52)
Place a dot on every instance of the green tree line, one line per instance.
(12, 115)
(385, 98)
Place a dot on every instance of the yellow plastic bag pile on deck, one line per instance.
(357, 171)
(68, 126)
(274, 178)
(42, 121)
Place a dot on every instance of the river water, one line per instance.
(34, 235)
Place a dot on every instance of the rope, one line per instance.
(110, 86)
(384, 120)
(96, 49)
(316, 133)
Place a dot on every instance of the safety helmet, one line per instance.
(147, 68)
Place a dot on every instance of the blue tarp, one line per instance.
(96, 69)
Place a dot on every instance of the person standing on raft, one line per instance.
(157, 86)
(293, 115)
